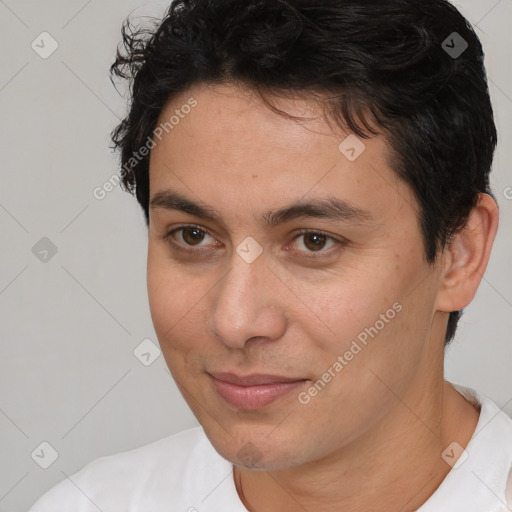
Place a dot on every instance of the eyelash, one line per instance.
(340, 242)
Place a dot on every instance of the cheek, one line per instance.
(370, 318)
(171, 296)
(179, 302)
(337, 308)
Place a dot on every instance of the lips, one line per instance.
(253, 380)
(253, 392)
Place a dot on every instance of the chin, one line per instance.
(251, 447)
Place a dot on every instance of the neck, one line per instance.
(396, 465)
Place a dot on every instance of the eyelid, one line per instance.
(168, 237)
(167, 234)
(340, 241)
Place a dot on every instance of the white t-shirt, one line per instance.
(184, 473)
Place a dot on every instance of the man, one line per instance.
(315, 179)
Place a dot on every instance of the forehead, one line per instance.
(230, 145)
(236, 116)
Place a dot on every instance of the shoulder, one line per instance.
(481, 475)
(172, 470)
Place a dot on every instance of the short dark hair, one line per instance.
(380, 66)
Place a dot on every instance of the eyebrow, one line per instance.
(329, 208)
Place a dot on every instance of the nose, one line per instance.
(246, 306)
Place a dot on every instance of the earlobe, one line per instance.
(467, 255)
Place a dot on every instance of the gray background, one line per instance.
(69, 326)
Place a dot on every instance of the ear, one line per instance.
(465, 258)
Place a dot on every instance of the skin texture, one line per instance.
(289, 313)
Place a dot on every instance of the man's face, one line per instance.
(301, 291)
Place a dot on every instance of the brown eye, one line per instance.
(191, 239)
(314, 241)
(192, 235)
(308, 242)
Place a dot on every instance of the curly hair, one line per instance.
(380, 66)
